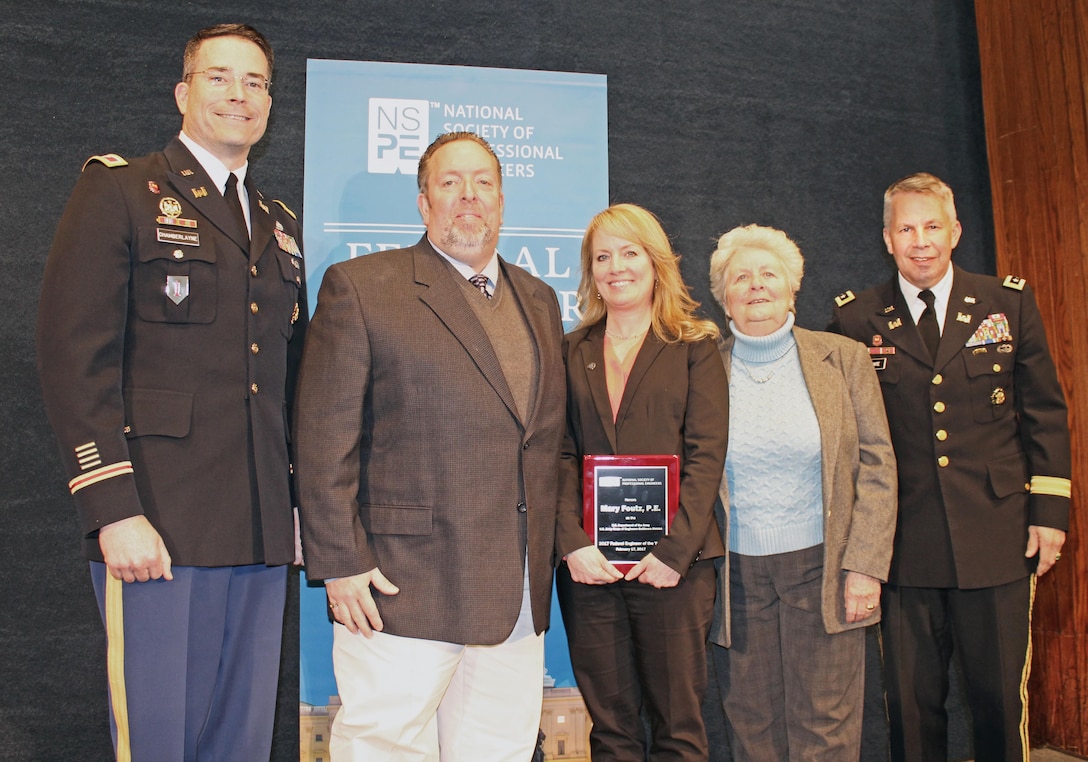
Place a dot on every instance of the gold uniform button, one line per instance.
(179, 254)
(127, 429)
(938, 407)
(942, 461)
(1027, 486)
(253, 271)
(938, 379)
(254, 308)
(942, 435)
(997, 368)
(254, 348)
(254, 388)
(298, 281)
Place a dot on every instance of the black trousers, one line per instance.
(633, 645)
(990, 631)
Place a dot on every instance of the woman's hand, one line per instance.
(650, 571)
(589, 566)
(862, 595)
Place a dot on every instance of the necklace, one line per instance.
(617, 337)
(752, 376)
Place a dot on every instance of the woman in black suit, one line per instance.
(644, 378)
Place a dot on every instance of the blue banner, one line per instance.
(367, 124)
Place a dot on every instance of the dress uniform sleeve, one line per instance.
(329, 412)
(82, 315)
(1044, 426)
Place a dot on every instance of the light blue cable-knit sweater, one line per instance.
(773, 462)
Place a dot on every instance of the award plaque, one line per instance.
(629, 502)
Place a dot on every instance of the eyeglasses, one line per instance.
(221, 79)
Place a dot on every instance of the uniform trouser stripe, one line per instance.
(1024, 741)
(115, 663)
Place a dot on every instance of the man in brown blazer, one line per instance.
(429, 419)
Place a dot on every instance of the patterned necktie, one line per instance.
(927, 324)
(235, 203)
(479, 280)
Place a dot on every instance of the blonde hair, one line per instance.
(672, 308)
(924, 183)
(770, 240)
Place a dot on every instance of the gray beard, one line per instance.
(457, 238)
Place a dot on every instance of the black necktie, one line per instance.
(927, 324)
(235, 204)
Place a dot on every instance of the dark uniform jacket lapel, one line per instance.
(958, 331)
(196, 188)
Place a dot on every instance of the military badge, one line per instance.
(153, 186)
(893, 324)
(170, 207)
(177, 288)
(287, 243)
(992, 330)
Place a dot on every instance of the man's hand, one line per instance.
(589, 566)
(650, 571)
(352, 603)
(134, 551)
(862, 594)
(1047, 542)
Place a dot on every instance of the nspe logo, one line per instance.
(398, 135)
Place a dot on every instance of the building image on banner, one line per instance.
(367, 124)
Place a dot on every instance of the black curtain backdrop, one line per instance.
(791, 113)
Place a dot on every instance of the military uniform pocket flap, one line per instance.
(158, 412)
(1009, 475)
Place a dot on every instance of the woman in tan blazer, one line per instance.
(810, 502)
(644, 378)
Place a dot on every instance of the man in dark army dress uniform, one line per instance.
(171, 318)
(979, 425)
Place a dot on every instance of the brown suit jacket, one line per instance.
(675, 402)
(411, 456)
(858, 469)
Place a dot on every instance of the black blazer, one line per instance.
(166, 347)
(981, 436)
(676, 402)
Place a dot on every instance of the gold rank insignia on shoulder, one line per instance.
(1016, 284)
(285, 208)
(844, 298)
(111, 160)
